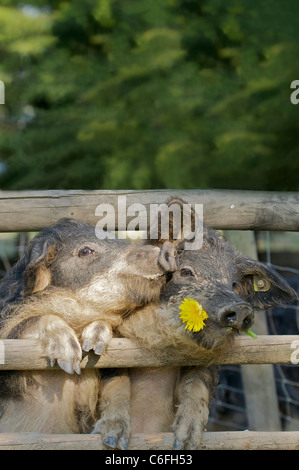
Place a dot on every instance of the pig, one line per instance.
(69, 291)
(230, 287)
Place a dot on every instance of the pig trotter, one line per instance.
(115, 423)
(178, 445)
(96, 336)
(187, 434)
(193, 395)
(115, 433)
(110, 441)
(59, 343)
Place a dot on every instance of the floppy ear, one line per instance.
(37, 275)
(174, 221)
(261, 286)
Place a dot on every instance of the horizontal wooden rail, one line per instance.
(226, 440)
(27, 354)
(223, 209)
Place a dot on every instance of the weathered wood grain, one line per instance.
(226, 440)
(24, 354)
(223, 209)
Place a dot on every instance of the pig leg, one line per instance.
(96, 336)
(193, 392)
(58, 341)
(114, 424)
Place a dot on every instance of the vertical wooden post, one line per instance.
(258, 380)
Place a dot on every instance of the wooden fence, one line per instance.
(236, 210)
(230, 210)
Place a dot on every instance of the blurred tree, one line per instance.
(141, 94)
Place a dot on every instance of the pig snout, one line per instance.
(168, 257)
(238, 315)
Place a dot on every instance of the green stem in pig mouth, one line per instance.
(250, 333)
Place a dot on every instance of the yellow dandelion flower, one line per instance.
(193, 314)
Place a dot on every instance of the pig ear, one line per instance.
(261, 286)
(71, 221)
(37, 275)
(176, 222)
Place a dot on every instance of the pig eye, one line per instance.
(85, 252)
(186, 272)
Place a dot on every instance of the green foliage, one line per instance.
(140, 94)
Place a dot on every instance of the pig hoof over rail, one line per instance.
(96, 336)
(187, 429)
(115, 432)
(60, 343)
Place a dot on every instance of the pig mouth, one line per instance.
(224, 330)
(214, 336)
(153, 277)
(214, 328)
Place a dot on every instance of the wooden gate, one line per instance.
(228, 210)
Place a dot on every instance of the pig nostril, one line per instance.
(230, 317)
(238, 316)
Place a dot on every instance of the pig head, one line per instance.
(80, 282)
(229, 286)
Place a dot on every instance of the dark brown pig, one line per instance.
(70, 290)
(230, 287)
